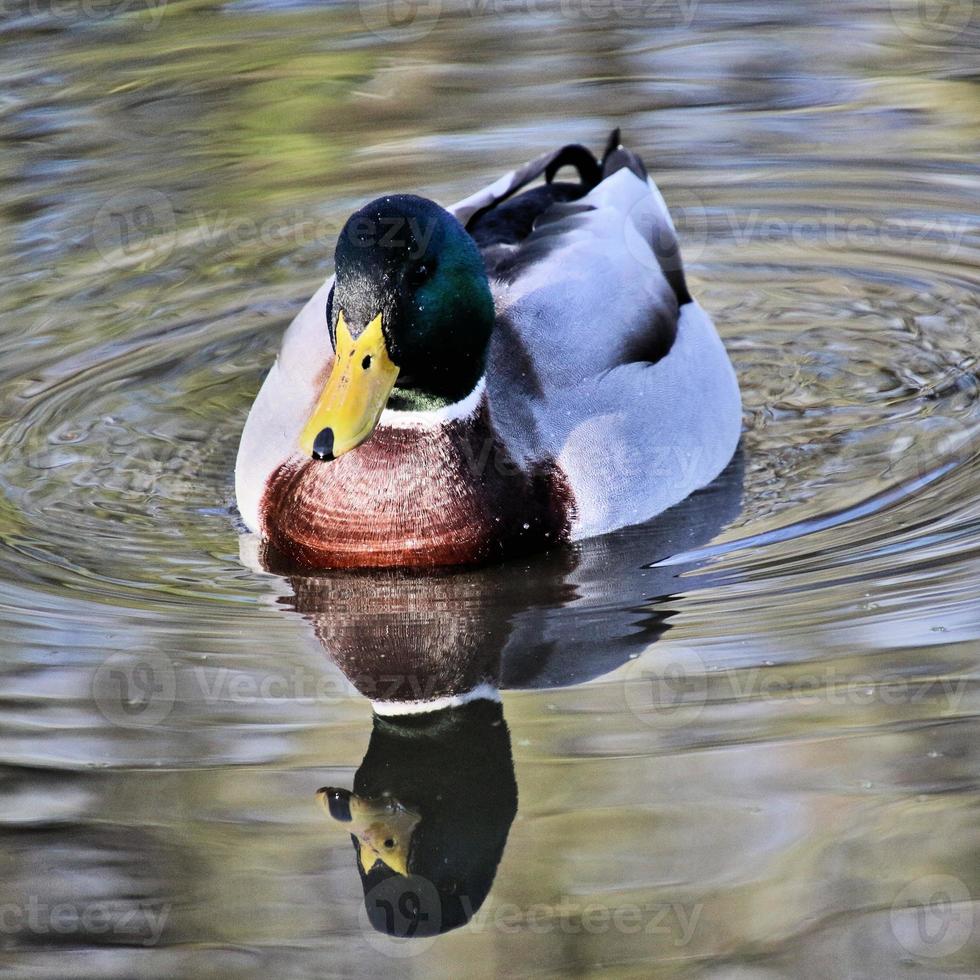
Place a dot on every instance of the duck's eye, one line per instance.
(421, 273)
(389, 843)
(366, 363)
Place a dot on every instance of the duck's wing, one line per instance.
(602, 364)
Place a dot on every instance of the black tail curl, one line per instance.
(508, 218)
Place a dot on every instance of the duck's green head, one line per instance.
(410, 316)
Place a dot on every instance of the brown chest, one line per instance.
(416, 497)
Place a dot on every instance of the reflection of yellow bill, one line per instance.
(383, 829)
(355, 393)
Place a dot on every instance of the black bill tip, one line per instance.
(323, 445)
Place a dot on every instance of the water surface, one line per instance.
(743, 738)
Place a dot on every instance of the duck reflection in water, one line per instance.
(434, 798)
(429, 815)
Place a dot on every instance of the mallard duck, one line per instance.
(524, 368)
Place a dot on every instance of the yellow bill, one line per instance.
(355, 393)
